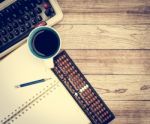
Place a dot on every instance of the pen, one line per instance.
(32, 82)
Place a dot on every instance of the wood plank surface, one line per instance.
(105, 18)
(130, 112)
(109, 41)
(105, 12)
(121, 87)
(103, 6)
(104, 36)
(112, 61)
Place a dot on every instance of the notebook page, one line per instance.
(57, 107)
(19, 67)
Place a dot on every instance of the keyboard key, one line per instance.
(42, 23)
(49, 12)
(38, 10)
(7, 11)
(14, 24)
(3, 32)
(9, 19)
(33, 21)
(11, 36)
(9, 28)
(46, 5)
(14, 16)
(1, 15)
(4, 39)
(38, 1)
(20, 12)
(22, 29)
(21, 21)
(32, 14)
(32, 5)
(16, 32)
(13, 7)
(26, 8)
(25, 1)
(28, 25)
(26, 17)
(3, 23)
(19, 4)
(39, 18)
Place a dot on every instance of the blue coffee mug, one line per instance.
(44, 43)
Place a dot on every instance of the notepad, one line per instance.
(44, 103)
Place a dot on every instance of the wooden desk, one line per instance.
(110, 42)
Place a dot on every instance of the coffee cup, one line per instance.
(44, 43)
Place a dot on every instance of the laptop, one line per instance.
(19, 17)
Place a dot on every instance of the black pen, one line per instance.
(32, 82)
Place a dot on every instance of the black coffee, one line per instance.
(45, 43)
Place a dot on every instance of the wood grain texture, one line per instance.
(130, 112)
(112, 61)
(105, 6)
(104, 36)
(105, 12)
(105, 18)
(121, 87)
(109, 41)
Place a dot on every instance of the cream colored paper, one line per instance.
(57, 107)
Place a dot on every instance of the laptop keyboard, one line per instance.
(18, 19)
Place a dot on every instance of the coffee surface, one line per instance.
(45, 43)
